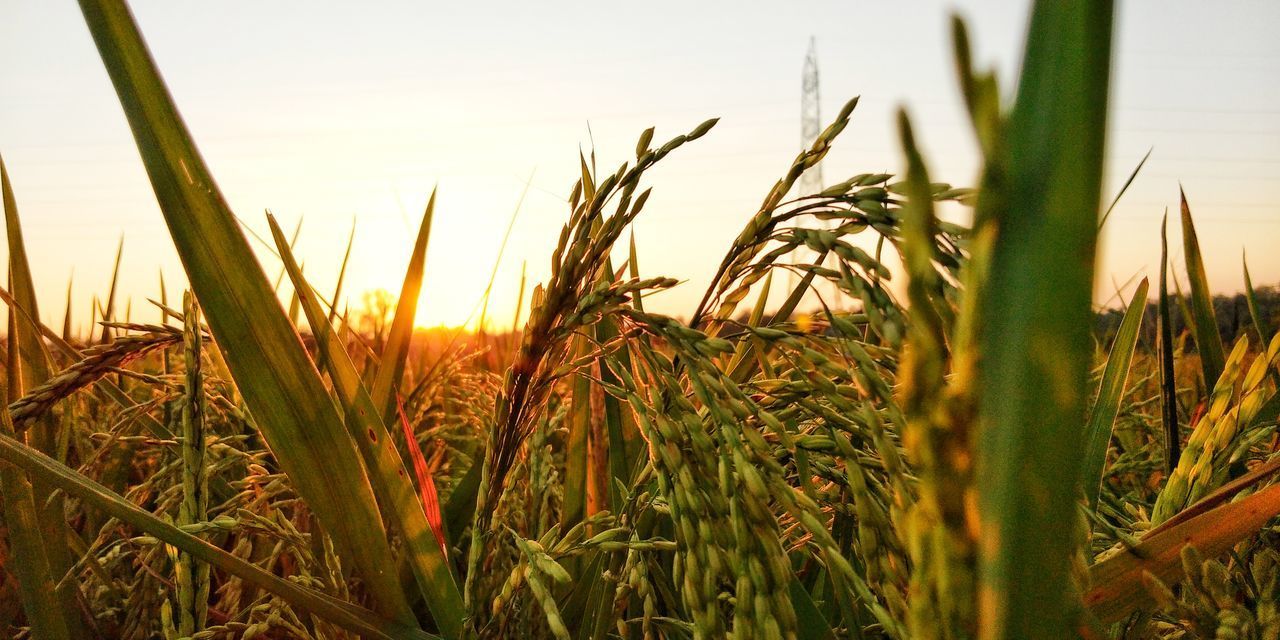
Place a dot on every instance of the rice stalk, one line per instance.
(192, 577)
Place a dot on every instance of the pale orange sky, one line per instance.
(335, 111)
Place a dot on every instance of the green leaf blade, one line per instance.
(396, 353)
(1110, 393)
(277, 380)
(388, 477)
(1035, 321)
(1205, 325)
(33, 363)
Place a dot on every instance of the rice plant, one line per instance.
(963, 455)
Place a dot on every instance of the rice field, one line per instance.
(959, 448)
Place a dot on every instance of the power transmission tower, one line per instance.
(810, 128)
(810, 118)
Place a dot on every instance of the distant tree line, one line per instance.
(1231, 312)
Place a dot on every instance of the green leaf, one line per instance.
(588, 185)
(34, 364)
(66, 315)
(293, 242)
(323, 334)
(1035, 320)
(810, 623)
(625, 447)
(1120, 194)
(1255, 313)
(293, 305)
(1110, 392)
(515, 317)
(576, 454)
(280, 386)
(1168, 384)
(109, 310)
(387, 474)
(1204, 326)
(633, 266)
(391, 367)
(461, 506)
(28, 562)
(342, 275)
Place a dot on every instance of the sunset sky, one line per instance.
(334, 112)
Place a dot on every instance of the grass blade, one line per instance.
(1110, 393)
(34, 366)
(387, 473)
(1205, 325)
(426, 484)
(633, 266)
(293, 242)
(391, 368)
(497, 261)
(461, 505)
(577, 458)
(812, 624)
(278, 382)
(1168, 385)
(294, 304)
(109, 310)
(342, 275)
(515, 317)
(1255, 313)
(623, 438)
(66, 314)
(323, 334)
(1120, 194)
(34, 360)
(1036, 318)
(29, 562)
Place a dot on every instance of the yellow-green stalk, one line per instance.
(192, 576)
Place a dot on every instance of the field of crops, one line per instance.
(949, 450)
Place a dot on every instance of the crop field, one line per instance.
(957, 446)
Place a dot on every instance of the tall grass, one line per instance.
(962, 462)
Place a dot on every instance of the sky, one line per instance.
(350, 113)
